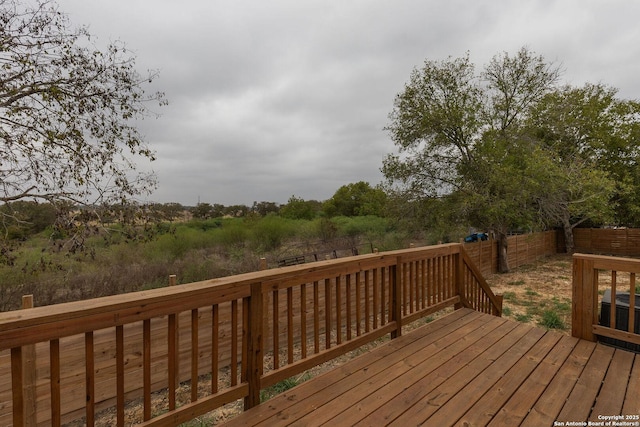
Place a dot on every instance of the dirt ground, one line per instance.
(533, 291)
(530, 293)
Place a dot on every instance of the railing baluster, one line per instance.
(632, 302)
(16, 383)
(614, 280)
(367, 297)
(215, 339)
(303, 320)
(234, 342)
(407, 287)
(275, 329)
(54, 383)
(383, 304)
(194, 354)
(358, 308)
(338, 310)
(316, 317)
(172, 349)
(90, 373)
(120, 374)
(146, 368)
(289, 325)
(248, 366)
(348, 302)
(327, 313)
(376, 307)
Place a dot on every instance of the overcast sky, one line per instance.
(270, 99)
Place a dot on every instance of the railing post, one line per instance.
(255, 353)
(584, 312)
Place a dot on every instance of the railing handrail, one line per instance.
(49, 324)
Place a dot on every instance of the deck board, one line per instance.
(466, 369)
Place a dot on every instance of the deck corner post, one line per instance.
(395, 278)
(584, 313)
(255, 351)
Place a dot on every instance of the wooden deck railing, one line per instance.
(242, 333)
(592, 274)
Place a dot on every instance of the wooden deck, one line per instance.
(468, 369)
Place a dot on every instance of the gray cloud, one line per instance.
(280, 98)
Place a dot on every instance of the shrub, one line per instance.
(269, 232)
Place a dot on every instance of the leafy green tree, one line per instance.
(68, 112)
(265, 208)
(356, 199)
(592, 138)
(459, 135)
(202, 211)
(298, 208)
(22, 219)
(237, 211)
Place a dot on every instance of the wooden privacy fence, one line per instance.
(522, 249)
(592, 274)
(244, 333)
(609, 241)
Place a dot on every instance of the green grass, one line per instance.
(551, 320)
(531, 293)
(282, 386)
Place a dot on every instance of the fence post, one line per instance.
(584, 313)
(29, 374)
(255, 353)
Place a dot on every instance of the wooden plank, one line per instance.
(605, 331)
(478, 374)
(519, 404)
(396, 372)
(580, 401)
(503, 376)
(285, 400)
(482, 411)
(412, 395)
(631, 401)
(614, 387)
(393, 381)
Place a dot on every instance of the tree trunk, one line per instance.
(568, 237)
(503, 253)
